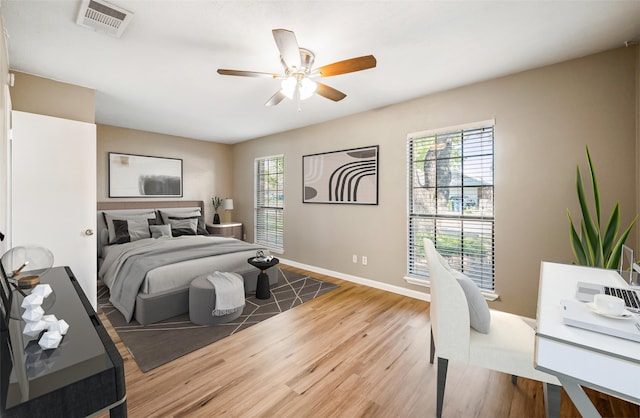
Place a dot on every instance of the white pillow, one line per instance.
(479, 314)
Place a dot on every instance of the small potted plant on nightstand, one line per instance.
(217, 202)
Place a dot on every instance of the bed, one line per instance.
(149, 252)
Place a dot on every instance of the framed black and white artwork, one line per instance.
(341, 177)
(133, 175)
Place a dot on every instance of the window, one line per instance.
(269, 203)
(451, 197)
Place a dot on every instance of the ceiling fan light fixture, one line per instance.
(298, 70)
(305, 87)
(289, 86)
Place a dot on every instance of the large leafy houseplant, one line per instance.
(591, 247)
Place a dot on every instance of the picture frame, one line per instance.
(132, 175)
(341, 177)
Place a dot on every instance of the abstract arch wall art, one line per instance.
(341, 177)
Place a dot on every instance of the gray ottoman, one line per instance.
(202, 302)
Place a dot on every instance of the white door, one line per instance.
(53, 191)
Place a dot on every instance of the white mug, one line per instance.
(609, 305)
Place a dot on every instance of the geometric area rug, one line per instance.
(156, 344)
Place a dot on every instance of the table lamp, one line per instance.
(25, 265)
(227, 205)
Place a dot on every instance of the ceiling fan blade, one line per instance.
(329, 92)
(288, 47)
(240, 73)
(347, 66)
(276, 98)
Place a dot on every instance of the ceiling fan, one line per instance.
(298, 62)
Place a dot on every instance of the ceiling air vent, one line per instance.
(103, 17)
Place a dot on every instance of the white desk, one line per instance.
(580, 357)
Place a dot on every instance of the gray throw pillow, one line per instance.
(183, 214)
(158, 231)
(166, 215)
(186, 226)
(479, 315)
(109, 218)
(129, 230)
(138, 229)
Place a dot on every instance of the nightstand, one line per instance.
(231, 229)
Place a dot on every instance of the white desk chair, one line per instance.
(507, 347)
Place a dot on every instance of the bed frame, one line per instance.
(153, 204)
(156, 307)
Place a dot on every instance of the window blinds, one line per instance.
(269, 202)
(451, 201)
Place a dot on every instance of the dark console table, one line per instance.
(81, 377)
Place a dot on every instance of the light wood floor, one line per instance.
(353, 352)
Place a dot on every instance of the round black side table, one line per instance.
(262, 286)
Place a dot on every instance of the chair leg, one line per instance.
(514, 379)
(433, 348)
(552, 394)
(442, 379)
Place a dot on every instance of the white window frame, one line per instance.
(273, 240)
(415, 250)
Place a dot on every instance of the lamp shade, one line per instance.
(227, 204)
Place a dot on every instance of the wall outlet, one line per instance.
(364, 260)
(355, 259)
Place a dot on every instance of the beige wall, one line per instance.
(207, 166)
(44, 96)
(544, 118)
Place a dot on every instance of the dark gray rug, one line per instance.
(156, 344)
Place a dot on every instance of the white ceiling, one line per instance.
(160, 76)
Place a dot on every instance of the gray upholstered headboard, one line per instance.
(132, 208)
(150, 204)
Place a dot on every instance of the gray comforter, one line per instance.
(123, 271)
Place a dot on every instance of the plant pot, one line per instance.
(216, 219)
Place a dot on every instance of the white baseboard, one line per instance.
(366, 282)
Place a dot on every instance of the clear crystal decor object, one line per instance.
(33, 328)
(37, 321)
(43, 290)
(50, 340)
(33, 314)
(60, 326)
(49, 320)
(32, 301)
